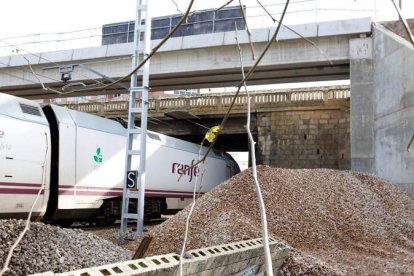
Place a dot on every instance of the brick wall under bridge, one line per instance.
(305, 138)
(295, 128)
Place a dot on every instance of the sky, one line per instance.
(49, 24)
(20, 17)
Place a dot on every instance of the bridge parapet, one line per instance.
(219, 103)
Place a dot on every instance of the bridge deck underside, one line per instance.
(205, 79)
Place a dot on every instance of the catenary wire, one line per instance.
(262, 206)
(147, 57)
(45, 59)
(240, 85)
(404, 21)
(51, 33)
(25, 71)
(295, 32)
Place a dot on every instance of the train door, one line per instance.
(24, 147)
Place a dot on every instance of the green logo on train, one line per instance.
(98, 156)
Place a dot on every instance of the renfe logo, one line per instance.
(182, 169)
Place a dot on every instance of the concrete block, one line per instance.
(354, 26)
(360, 48)
(393, 104)
(20, 60)
(89, 53)
(361, 73)
(115, 50)
(305, 30)
(48, 273)
(164, 261)
(55, 57)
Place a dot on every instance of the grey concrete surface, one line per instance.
(210, 60)
(393, 108)
(228, 259)
(362, 114)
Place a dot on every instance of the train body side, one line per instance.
(79, 159)
(24, 157)
(91, 164)
(87, 161)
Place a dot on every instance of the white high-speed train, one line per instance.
(80, 160)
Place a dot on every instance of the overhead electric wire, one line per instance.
(45, 59)
(207, 128)
(249, 34)
(223, 6)
(53, 40)
(154, 50)
(262, 206)
(295, 32)
(104, 61)
(190, 212)
(51, 33)
(24, 71)
(240, 85)
(405, 23)
(41, 82)
(176, 6)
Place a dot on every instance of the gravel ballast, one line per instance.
(50, 248)
(337, 222)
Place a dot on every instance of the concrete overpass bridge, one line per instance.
(199, 61)
(294, 128)
(378, 63)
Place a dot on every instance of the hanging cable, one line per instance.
(154, 50)
(42, 84)
(410, 143)
(296, 33)
(249, 34)
(45, 59)
(180, 117)
(240, 85)
(25, 71)
(52, 33)
(176, 6)
(190, 212)
(404, 21)
(262, 206)
(225, 5)
(27, 225)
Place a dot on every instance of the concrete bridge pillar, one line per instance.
(382, 106)
(362, 113)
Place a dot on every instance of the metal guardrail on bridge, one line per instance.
(218, 101)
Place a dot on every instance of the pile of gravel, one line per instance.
(50, 248)
(336, 221)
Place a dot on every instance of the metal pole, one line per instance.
(144, 122)
(129, 193)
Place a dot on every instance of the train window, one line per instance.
(30, 109)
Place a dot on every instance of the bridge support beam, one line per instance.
(382, 107)
(393, 108)
(362, 113)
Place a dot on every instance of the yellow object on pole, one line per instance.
(212, 133)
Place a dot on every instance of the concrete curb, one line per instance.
(229, 259)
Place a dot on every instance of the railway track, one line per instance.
(117, 225)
